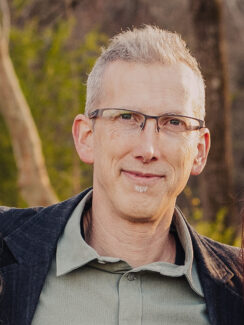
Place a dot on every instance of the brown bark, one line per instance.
(216, 182)
(33, 179)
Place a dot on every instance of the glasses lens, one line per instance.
(124, 119)
(177, 123)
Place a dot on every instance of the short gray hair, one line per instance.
(149, 44)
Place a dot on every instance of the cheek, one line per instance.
(187, 157)
(109, 148)
(183, 155)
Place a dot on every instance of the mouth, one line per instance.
(142, 178)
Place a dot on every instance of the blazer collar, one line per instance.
(210, 263)
(222, 288)
(35, 240)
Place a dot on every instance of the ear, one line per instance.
(202, 152)
(83, 138)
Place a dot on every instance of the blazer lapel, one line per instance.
(220, 285)
(225, 307)
(22, 288)
(32, 247)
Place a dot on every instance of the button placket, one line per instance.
(130, 299)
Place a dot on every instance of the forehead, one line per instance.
(149, 87)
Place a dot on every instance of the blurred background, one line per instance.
(47, 48)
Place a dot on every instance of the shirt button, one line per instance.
(131, 276)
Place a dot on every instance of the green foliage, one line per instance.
(19, 4)
(216, 229)
(52, 70)
(8, 173)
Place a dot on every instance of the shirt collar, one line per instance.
(73, 252)
(190, 268)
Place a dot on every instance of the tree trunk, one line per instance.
(33, 179)
(216, 182)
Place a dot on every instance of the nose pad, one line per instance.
(157, 127)
(143, 124)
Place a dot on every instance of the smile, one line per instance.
(142, 178)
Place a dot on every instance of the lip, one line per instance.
(142, 178)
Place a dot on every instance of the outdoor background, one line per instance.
(47, 48)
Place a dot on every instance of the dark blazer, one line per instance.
(28, 243)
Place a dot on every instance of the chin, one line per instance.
(138, 211)
(139, 205)
(139, 220)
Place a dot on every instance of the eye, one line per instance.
(126, 116)
(131, 116)
(172, 121)
(175, 122)
(123, 117)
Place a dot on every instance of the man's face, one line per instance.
(139, 175)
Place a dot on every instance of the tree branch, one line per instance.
(4, 21)
(33, 178)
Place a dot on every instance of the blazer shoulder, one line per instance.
(222, 250)
(221, 255)
(11, 218)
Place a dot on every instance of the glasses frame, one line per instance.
(99, 112)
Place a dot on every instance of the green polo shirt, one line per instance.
(85, 288)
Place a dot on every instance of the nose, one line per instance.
(147, 145)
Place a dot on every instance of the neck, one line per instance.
(137, 243)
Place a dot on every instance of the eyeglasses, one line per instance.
(129, 120)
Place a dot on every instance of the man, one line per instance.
(122, 252)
